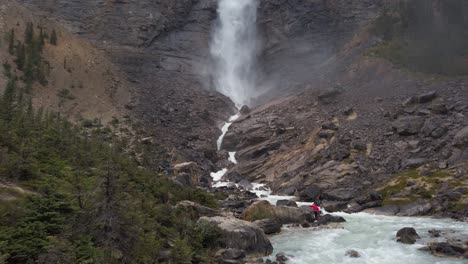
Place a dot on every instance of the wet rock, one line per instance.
(269, 226)
(408, 125)
(434, 232)
(352, 254)
(246, 184)
(240, 234)
(329, 218)
(407, 235)
(286, 203)
(444, 249)
(384, 210)
(282, 258)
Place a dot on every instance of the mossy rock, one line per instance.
(259, 210)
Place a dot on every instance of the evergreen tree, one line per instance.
(20, 56)
(53, 38)
(8, 100)
(11, 42)
(29, 34)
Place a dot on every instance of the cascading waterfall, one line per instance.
(234, 50)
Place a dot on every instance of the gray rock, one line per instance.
(461, 138)
(286, 203)
(269, 226)
(352, 254)
(282, 258)
(197, 210)
(444, 249)
(230, 254)
(408, 125)
(310, 194)
(240, 234)
(420, 207)
(413, 163)
(291, 190)
(329, 218)
(407, 235)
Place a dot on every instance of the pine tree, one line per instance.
(20, 56)
(29, 34)
(53, 38)
(11, 42)
(8, 100)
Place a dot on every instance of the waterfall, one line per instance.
(234, 50)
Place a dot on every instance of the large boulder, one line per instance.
(408, 125)
(269, 226)
(461, 138)
(259, 210)
(292, 215)
(407, 235)
(240, 234)
(444, 249)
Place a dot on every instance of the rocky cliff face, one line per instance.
(163, 48)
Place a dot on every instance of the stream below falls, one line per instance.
(372, 236)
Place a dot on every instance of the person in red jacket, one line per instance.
(316, 208)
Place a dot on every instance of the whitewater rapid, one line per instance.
(373, 236)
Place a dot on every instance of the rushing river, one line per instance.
(373, 236)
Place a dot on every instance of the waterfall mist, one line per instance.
(234, 50)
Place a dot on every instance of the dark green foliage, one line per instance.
(91, 202)
(425, 36)
(53, 38)
(20, 56)
(11, 42)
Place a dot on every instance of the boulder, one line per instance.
(259, 210)
(292, 215)
(286, 203)
(420, 207)
(329, 218)
(407, 235)
(245, 110)
(433, 128)
(461, 138)
(434, 232)
(408, 125)
(421, 99)
(269, 226)
(240, 234)
(444, 249)
(352, 254)
(310, 194)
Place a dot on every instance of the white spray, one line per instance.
(234, 50)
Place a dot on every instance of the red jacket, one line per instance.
(316, 208)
